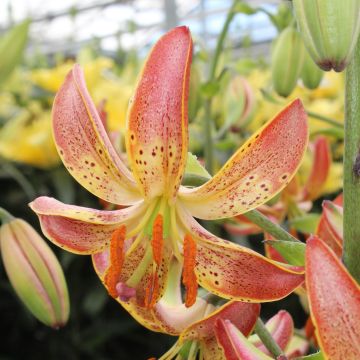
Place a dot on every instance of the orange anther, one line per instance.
(157, 241)
(152, 291)
(189, 277)
(116, 260)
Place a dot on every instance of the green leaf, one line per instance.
(335, 132)
(12, 46)
(305, 223)
(269, 97)
(195, 173)
(244, 8)
(292, 252)
(194, 167)
(316, 356)
(210, 89)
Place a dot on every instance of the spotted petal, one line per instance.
(157, 123)
(84, 146)
(320, 169)
(212, 350)
(79, 229)
(334, 298)
(242, 314)
(164, 317)
(261, 168)
(141, 314)
(235, 272)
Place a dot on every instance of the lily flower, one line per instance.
(332, 291)
(158, 225)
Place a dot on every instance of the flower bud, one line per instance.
(311, 75)
(330, 30)
(287, 61)
(34, 272)
(238, 102)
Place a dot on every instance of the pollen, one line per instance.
(189, 277)
(116, 260)
(152, 291)
(157, 241)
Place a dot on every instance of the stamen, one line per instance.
(152, 291)
(157, 241)
(189, 278)
(116, 260)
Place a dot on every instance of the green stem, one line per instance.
(264, 335)
(220, 43)
(20, 179)
(273, 229)
(5, 216)
(351, 250)
(209, 146)
(324, 119)
(209, 143)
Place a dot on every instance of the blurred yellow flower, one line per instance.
(116, 95)
(326, 100)
(102, 86)
(27, 139)
(51, 79)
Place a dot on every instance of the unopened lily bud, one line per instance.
(238, 102)
(34, 271)
(287, 61)
(311, 74)
(330, 30)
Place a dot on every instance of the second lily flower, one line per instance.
(157, 228)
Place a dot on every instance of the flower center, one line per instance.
(155, 240)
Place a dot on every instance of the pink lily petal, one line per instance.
(84, 146)
(334, 298)
(333, 215)
(236, 272)
(78, 229)
(330, 225)
(281, 328)
(242, 314)
(320, 169)
(157, 127)
(260, 169)
(236, 346)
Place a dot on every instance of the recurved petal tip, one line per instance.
(157, 123)
(334, 298)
